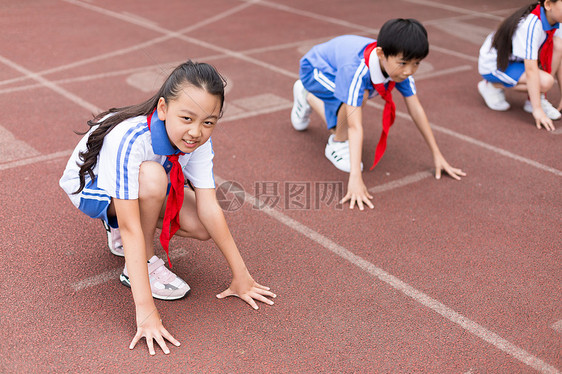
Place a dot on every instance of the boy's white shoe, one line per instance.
(493, 96)
(300, 114)
(548, 108)
(338, 154)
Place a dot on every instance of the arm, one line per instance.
(148, 319)
(357, 192)
(532, 76)
(420, 119)
(242, 285)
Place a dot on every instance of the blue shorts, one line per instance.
(322, 86)
(94, 202)
(509, 77)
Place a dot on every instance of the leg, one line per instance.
(546, 82)
(191, 226)
(153, 183)
(317, 105)
(340, 132)
(557, 66)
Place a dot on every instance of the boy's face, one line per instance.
(396, 67)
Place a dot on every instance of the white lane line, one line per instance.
(478, 143)
(174, 34)
(135, 47)
(316, 16)
(454, 9)
(112, 274)
(69, 95)
(442, 72)
(12, 149)
(34, 160)
(557, 326)
(409, 179)
(401, 286)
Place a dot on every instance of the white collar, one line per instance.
(377, 76)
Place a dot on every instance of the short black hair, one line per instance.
(404, 36)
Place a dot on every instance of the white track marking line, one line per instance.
(443, 72)
(316, 16)
(74, 98)
(135, 47)
(34, 160)
(112, 274)
(479, 143)
(409, 179)
(418, 296)
(191, 40)
(455, 9)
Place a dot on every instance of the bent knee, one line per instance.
(547, 81)
(153, 181)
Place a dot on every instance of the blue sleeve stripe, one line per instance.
(355, 87)
(127, 141)
(530, 35)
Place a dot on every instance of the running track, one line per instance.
(441, 277)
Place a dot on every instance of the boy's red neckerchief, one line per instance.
(171, 222)
(389, 111)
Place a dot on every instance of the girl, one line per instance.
(510, 58)
(127, 171)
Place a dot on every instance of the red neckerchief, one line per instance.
(545, 56)
(389, 112)
(171, 222)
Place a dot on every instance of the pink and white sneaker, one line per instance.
(114, 241)
(164, 284)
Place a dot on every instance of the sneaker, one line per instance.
(300, 114)
(493, 96)
(114, 241)
(164, 284)
(550, 110)
(338, 154)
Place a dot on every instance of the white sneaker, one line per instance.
(550, 110)
(338, 154)
(493, 96)
(300, 114)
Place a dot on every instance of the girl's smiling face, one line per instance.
(190, 118)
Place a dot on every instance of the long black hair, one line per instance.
(200, 75)
(503, 37)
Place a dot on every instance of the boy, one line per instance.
(335, 77)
